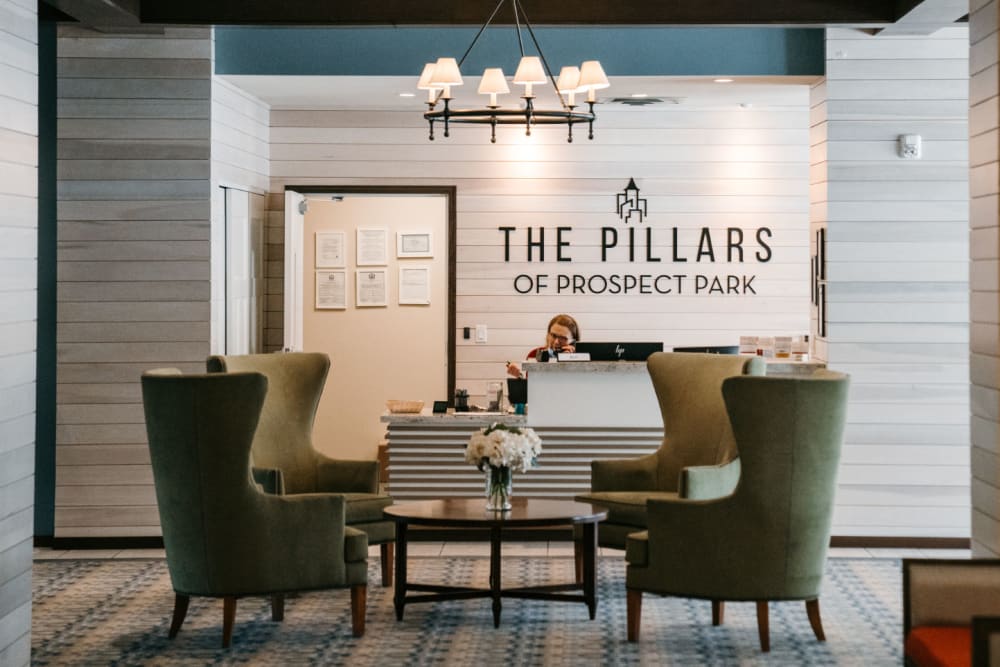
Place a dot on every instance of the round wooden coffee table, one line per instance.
(472, 513)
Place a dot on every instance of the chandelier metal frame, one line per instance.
(494, 115)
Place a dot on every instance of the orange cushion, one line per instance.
(940, 646)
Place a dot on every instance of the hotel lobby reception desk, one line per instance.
(581, 410)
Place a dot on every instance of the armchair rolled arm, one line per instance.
(346, 476)
(708, 482)
(269, 480)
(638, 474)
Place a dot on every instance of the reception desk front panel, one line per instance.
(581, 410)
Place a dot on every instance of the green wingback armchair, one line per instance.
(283, 445)
(768, 539)
(698, 457)
(224, 537)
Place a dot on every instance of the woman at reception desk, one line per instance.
(561, 336)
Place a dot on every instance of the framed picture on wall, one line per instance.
(414, 285)
(371, 288)
(330, 250)
(414, 244)
(331, 290)
(371, 246)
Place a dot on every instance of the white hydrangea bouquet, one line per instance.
(500, 445)
(500, 450)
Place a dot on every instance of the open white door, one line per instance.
(244, 299)
(295, 207)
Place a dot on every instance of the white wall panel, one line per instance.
(18, 297)
(133, 257)
(897, 276)
(984, 310)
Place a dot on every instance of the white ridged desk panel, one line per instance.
(427, 456)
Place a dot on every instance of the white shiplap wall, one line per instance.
(715, 167)
(18, 281)
(134, 123)
(240, 153)
(897, 267)
(984, 348)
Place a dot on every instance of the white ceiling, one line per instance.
(383, 92)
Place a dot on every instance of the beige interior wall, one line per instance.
(395, 352)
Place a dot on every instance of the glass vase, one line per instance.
(498, 488)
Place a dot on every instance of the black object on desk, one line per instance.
(517, 391)
(440, 407)
(619, 351)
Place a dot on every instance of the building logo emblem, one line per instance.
(629, 203)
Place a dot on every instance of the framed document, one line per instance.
(413, 244)
(330, 249)
(331, 290)
(372, 247)
(371, 288)
(415, 285)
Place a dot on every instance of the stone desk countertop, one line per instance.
(473, 419)
(779, 367)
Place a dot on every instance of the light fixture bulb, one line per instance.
(493, 83)
(446, 75)
(723, 80)
(529, 71)
(425, 82)
(568, 83)
(592, 77)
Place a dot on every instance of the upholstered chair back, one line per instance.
(696, 428)
(284, 436)
(789, 433)
(223, 536)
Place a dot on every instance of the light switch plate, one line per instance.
(480, 333)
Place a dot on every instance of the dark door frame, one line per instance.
(449, 191)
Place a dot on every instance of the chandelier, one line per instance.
(438, 78)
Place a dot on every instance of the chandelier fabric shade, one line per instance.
(437, 78)
(592, 78)
(493, 83)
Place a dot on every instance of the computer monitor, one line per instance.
(619, 351)
(710, 349)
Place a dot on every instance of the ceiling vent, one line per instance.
(645, 101)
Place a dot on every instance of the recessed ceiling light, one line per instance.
(407, 95)
(639, 95)
(723, 80)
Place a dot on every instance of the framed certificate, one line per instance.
(372, 247)
(413, 244)
(414, 285)
(330, 249)
(331, 290)
(371, 288)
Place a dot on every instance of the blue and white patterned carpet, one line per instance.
(116, 612)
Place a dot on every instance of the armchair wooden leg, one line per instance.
(387, 550)
(359, 603)
(278, 607)
(228, 618)
(578, 558)
(762, 626)
(633, 603)
(812, 610)
(718, 611)
(180, 611)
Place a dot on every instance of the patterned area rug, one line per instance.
(101, 612)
